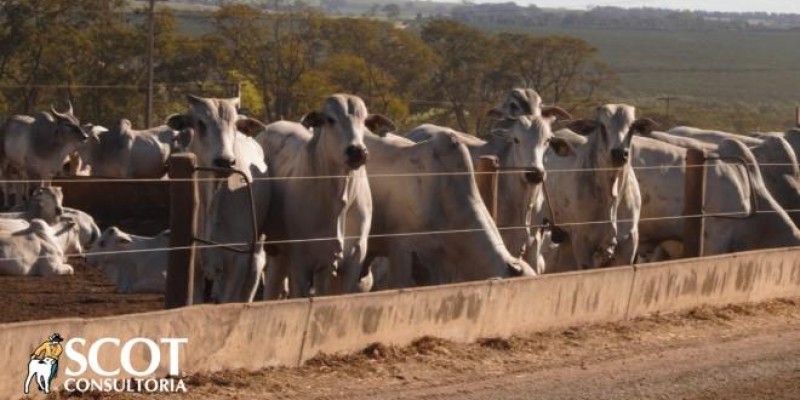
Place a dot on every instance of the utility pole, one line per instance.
(151, 44)
(667, 101)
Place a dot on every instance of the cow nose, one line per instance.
(619, 157)
(558, 235)
(534, 176)
(224, 162)
(59, 211)
(356, 156)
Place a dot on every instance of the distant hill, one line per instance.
(511, 14)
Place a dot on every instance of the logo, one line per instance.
(43, 365)
(118, 371)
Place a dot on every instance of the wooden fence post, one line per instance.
(488, 167)
(694, 198)
(184, 199)
(797, 117)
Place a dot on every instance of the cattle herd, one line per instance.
(343, 204)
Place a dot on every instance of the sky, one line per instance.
(784, 6)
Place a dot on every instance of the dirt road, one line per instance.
(736, 352)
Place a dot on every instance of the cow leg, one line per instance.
(28, 380)
(301, 271)
(626, 249)
(254, 271)
(400, 269)
(277, 272)
(357, 226)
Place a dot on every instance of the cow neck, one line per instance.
(44, 140)
(594, 159)
(342, 187)
(514, 193)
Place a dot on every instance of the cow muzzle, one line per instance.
(519, 268)
(534, 176)
(619, 157)
(356, 156)
(223, 162)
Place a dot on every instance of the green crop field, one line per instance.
(735, 80)
(750, 66)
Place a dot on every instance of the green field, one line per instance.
(735, 80)
(729, 66)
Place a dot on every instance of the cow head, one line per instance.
(46, 202)
(67, 127)
(518, 102)
(529, 136)
(209, 129)
(615, 125)
(340, 126)
(111, 240)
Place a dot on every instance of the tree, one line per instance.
(467, 56)
(392, 10)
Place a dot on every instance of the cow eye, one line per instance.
(201, 126)
(330, 121)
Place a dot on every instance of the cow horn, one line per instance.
(69, 111)
(56, 113)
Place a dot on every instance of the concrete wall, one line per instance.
(255, 336)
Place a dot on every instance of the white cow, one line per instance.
(39, 371)
(44, 203)
(211, 129)
(35, 147)
(770, 227)
(323, 203)
(135, 264)
(518, 142)
(123, 152)
(36, 248)
(425, 187)
(777, 162)
(593, 190)
(712, 136)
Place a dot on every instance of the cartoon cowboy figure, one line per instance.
(51, 348)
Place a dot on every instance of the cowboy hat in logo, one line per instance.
(43, 364)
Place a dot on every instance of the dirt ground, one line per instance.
(735, 352)
(87, 293)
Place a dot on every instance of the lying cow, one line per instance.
(123, 152)
(36, 248)
(322, 203)
(44, 203)
(135, 264)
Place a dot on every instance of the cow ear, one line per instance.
(179, 122)
(378, 124)
(556, 113)
(183, 139)
(561, 147)
(644, 126)
(314, 119)
(250, 126)
(496, 113)
(583, 126)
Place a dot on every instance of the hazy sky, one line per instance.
(785, 6)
